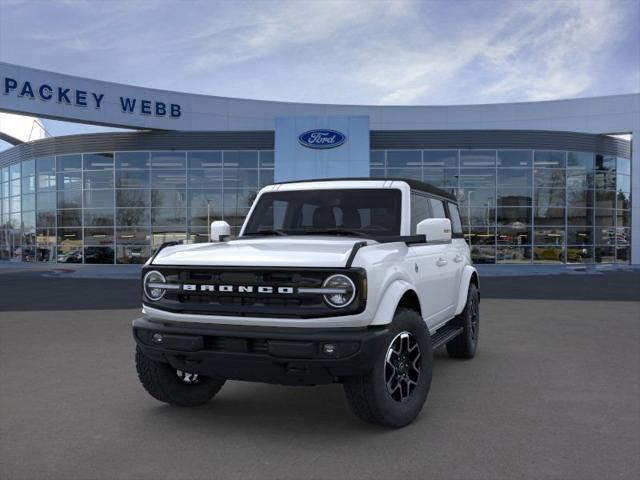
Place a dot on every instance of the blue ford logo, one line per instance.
(322, 138)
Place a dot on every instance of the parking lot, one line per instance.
(553, 393)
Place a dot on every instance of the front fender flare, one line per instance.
(467, 273)
(389, 302)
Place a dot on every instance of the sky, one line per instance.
(393, 52)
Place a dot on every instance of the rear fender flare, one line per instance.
(467, 273)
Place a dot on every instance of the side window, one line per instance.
(437, 208)
(419, 210)
(456, 223)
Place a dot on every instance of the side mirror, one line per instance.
(436, 230)
(220, 230)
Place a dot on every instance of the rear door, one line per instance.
(448, 263)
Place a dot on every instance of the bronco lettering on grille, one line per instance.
(189, 287)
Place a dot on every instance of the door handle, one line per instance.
(458, 258)
(441, 262)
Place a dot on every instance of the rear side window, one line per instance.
(437, 208)
(456, 223)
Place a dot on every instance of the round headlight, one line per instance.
(342, 293)
(152, 284)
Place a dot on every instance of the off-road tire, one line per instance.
(163, 383)
(465, 344)
(368, 395)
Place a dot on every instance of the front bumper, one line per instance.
(289, 356)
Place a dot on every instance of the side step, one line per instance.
(444, 335)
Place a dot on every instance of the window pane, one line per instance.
(132, 160)
(46, 219)
(479, 177)
(98, 161)
(205, 178)
(583, 160)
(169, 217)
(29, 202)
(605, 254)
(98, 217)
(404, 158)
(376, 159)
(514, 235)
(419, 210)
(70, 180)
(46, 201)
(549, 159)
(98, 236)
(478, 215)
(46, 181)
(204, 159)
(579, 216)
(240, 159)
(168, 179)
(548, 254)
(477, 196)
(266, 177)
(623, 183)
(623, 255)
(605, 163)
(605, 199)
(266, 159)
(549, 178)
(133, 216)
(204, 198)
(514, 176)
(28, 184)
(70, 218)
(133, 236)
(98, 179)
(513, 254)
(483, 254)
(168, 160)
(579, 178)
(515, 158)
(605, 235)
(406, 173)
(168, 198)
(548, 216)
(580, 236)
(514, 196)
(132, 179)
(624, 218)
(514, 216)
(456, 221)
(623, 166)
(446, 178)
(549, 236)
(548, 197)
(237, 177)
(477, 158)
(577, 197)
(70, 199)
(28, 168)
(14, 187)
(605, 217)
(98, 199)
(98, 254)
(133, 198)
(45, 165)
(580, 254)
(440, 159)
(69, 162)
(137, 254)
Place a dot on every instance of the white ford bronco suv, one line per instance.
(354, 281)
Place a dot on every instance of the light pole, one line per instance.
(209, 217)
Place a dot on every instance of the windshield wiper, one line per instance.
(337, 231)
(267, 232)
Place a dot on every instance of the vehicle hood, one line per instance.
(308, 251)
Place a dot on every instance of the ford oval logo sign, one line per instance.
(322, 138)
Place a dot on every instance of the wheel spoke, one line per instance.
(402, 366)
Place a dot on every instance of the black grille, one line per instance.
(254, 304)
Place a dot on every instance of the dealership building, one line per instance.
(538, 182)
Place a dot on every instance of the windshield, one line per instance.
(359, 212)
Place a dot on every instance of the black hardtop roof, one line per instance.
(413, 184)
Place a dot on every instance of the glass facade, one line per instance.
(518, 206)
(529, 206)
(117, 207)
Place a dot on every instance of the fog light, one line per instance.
(157, 338)
(329, 348)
